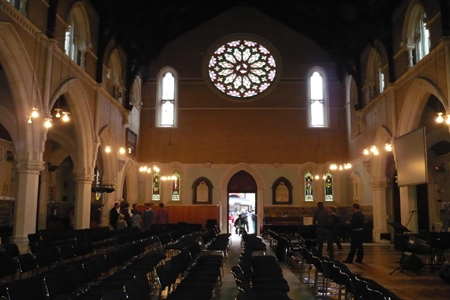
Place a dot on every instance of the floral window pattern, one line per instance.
(309, 186)
(242, 69)
(328, 186)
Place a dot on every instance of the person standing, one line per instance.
(121, 223)
(162, 215)
(126, 212)
(322, 220)
(336, 226)
(148, 217)
(239, 224)
(356, 236)
(114, 215)
(136, 219)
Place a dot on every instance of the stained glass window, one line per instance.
(309, 186)
(328, 186)
(242, 68)
(156, 187)
(176, 186)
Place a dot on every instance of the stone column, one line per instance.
(26, 201)
(379, 210)
(82, 214)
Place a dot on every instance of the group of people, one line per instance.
(327, 223)
(122, 216)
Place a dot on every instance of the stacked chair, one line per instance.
(259, 277)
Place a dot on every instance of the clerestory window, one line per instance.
(167, 92)
(317, 98)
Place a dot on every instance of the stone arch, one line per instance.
(415, 101)
(21, 75)
(86, 146)
(223, 185)
(130, 174)
(110, 165)
(378, 169)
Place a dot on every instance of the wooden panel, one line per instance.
(197, 214)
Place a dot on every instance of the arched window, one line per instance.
(317, 98)
(167, 93)
(328, 186)
(309, 186)
(114, 77)
(417, 35)
(77, 36)
(375, 77)
(69, 45)
(156, 187)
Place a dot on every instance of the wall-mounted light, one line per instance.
(122, 150)
(108, 149)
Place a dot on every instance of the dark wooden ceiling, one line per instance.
(342, 27)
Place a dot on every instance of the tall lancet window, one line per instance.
(309, 186)
(156, 187)
(176, 186)
(167, 98)
(317, 98)
(328, 186)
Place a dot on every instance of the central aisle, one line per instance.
(297, 289)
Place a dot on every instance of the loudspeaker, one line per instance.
(411, 262)
(444, 272)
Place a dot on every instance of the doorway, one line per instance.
(241, 193)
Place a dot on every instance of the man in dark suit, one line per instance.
(114, 215)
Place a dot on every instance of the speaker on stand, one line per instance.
(409, 262)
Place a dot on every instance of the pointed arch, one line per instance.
(130, 178)
(86, 145)
(21, 75)
(415, 101)
(109, 159)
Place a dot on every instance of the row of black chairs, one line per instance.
(89, 278)
(191, 274)
(326, 276)
(259, 277)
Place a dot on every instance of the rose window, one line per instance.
(242, 69)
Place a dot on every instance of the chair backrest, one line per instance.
(12, 250)
(28, 288)
(8, 266)
(138, 288)
(116, 294)
(27, 262)
(58, 282)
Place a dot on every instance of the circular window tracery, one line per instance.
(242, 68)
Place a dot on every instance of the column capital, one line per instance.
(29, 166)
(83, 178)
(378, 184)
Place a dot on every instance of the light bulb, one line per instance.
(324, 177)
(108, 149)
(156, 169)
(29, 120)
(447, 119)
(122, 150)
(316, 177)
(58, 115)
(35, 113)
(366, 151)
(48, 123)
(341, 168)
(163, 178)
(388, 147)
(439, 118)
(149, 170)
(65, 117)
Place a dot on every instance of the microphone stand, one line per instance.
(410, 216)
